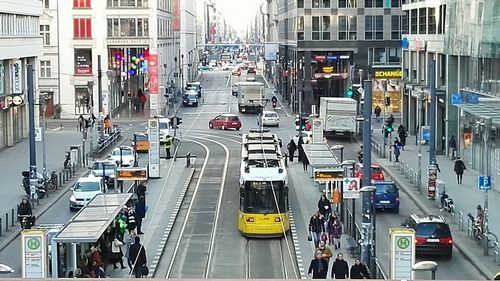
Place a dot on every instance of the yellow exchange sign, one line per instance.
(393, 74)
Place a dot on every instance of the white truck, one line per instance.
(251, 96)
(339, 115)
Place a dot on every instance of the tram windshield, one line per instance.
(259, 197)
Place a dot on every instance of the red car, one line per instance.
(377, 174)
(225, 121)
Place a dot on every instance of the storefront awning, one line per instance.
(483, 110)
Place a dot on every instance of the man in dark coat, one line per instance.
(301, 149)
(358, 270)
(137, 257)
(318, 266)
(340, 269)
(140, 213)
(459, 169)
(291, 150)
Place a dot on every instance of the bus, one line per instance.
(264, 206)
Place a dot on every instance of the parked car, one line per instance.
(105, 169)
(190, 98)
(386, 196)
(377, 173)
(125, 155)
(225, 121)
(140, 142)
(268, 118)
(84, 190)
(432, 235)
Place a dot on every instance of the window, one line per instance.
(404, 22)
(300, 28)
(315, 28)
(348, 3)
(46, 4)
(45, 69)
(45, 33)
(128, 27)
(81, 4)
(395, 3)
(325, 27)
(396, 27)
(413, 24)
(347, 27)
(374, 3)
(432, 20)
(374, 27)
(442, 19)
(300, 4)
(127, 3)
(321, 3)
(82, 28)
(394, 55)
(422, 25)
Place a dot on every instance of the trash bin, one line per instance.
(75, 154)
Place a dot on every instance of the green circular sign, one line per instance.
(33, 243)
(153, 124)
(403, 243)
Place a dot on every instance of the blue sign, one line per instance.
(405, 44)
(472, 99)
(484, 182)
(426, 133)
(456, 98)
(331, 58)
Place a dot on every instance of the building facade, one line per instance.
(136, 50)
(325, 43)
(188, 41)
(460, 36)
(20, 46)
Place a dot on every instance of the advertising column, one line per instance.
(154, 148)
(154, 98)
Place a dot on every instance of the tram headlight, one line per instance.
(250, 219)
(277, 219)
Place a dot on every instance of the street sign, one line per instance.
(154, 148)
(402, 253)
(132, 174)
(317, 131)
(38, 134)
(34, 246)
(351, 188)
(325, 175)
(484, 182)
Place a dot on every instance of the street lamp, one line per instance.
(368, 250)
(5, 269)
(419, 137)
(426, 266)
(341, 148)
(44, 98)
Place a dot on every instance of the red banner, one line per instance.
(176, 15)
(153, 73)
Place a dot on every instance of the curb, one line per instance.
(461, 247)
(298, 254)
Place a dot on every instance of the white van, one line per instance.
(164, 129)
(84, 190)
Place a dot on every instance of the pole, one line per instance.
(31, 112)
(384, 84)
(44, 156)
(208, 23)
(487, 172)
(373, 260)
(419, 138)
(432, 119)
(99, 84)
(366, 202)
(353, 207)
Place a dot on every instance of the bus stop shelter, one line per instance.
(84, 230)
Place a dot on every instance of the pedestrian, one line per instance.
(291, 150)
(81, 122)
(318, 266)
(452, 144)
(340, 268)
(305, 163)
(141, 190)
(24, 209)
(131, 222)
(142, 98)
(301, 149)
(97, 271)
(108, 125)
(324, 207)
(308, 125)
(459, 169)
(117, 253)
(95, 257)
(402, 136)
(316, 227)
(140, 213)
(358, 270)
(377, 112)
(168, 144)
(128, 240)
(397, 149)
(326, 253)
(335, 233)
(390, 121)
(137, 256)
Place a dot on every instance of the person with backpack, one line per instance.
(459, 169)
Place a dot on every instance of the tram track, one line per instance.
(268, 258)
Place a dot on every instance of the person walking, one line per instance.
(318, 267)
(140, 213)
(137, 256)
(128, 240)
(291, 150)
(336, 233)
(117, 253)
(340, 268)
(305, 163)
(301, 149)
(377, 112)
(81, 122)
(316, 227)
(168, 144)
(324, 207)
(452, 144)
(326, 253)
(402, 136)
(459, 169)
(358, 270)
(397, 149)
(142, 98)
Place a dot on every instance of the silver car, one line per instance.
(268, 118)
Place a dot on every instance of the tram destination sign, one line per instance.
(132, 174)
(323, 175)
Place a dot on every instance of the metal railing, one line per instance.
(105, 143)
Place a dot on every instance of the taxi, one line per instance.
(140, 142)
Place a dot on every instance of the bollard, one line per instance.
(6, 221)
(188, 159)
(59, 179)
(12, 217)
(1, 232)
(286, 160)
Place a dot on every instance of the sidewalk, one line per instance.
(466, 196)
(304, 196)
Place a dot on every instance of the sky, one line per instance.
(239, 13)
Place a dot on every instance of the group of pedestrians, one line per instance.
(292, 147)
(325, 230)
(85, 123)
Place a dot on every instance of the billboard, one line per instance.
(176, 15)
(83, 61)
(153, 73)
(270, 51)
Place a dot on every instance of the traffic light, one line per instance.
(388, 130)
(179, 120)
(387, 101)
(297, 123)
(349, 92)
(302, 123)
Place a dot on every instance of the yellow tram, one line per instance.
(263, 210)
